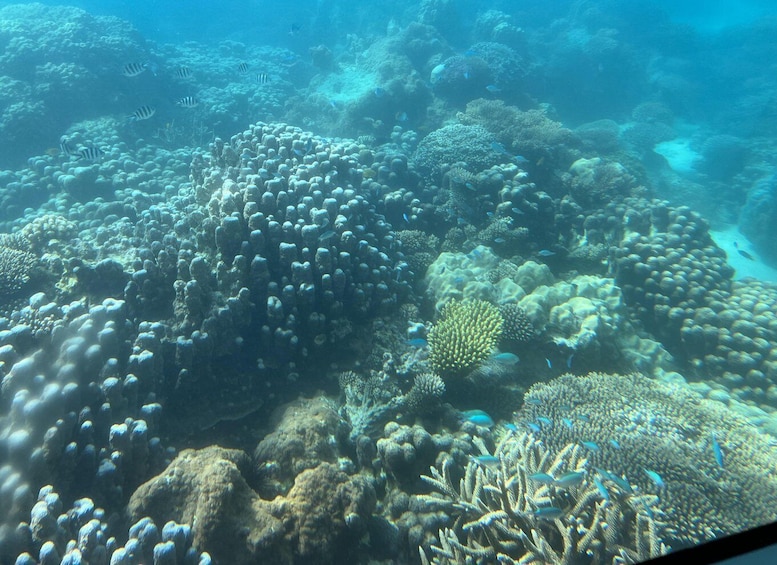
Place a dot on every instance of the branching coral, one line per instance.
(528, 504)
(465, 335)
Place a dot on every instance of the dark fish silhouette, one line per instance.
(743, 253)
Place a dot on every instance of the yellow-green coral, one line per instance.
(465, 336)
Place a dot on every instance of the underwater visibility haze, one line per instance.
(410, 282)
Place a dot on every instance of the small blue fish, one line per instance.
(401, 116)
(602, 489)
(490, 461)
(548, 513)
(520, 160)
(379, 92)
(590, 445)
(656, 478)
(615, 444)
(542, 478)
(570, 479)
(405, 217)
(567, 422)
(584, 417)
(550, 365)
(418, 342)
(545, 253)
(505, 358)
(499, 240)
(533, 401)
(717, 451)
(620, 482)
(478, 417)
(544, 421)
(569, 361)
(517, 211)
(533, 427)
(498, 147)
(510, 427)
(493, 89)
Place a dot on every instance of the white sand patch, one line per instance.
(744, 267)
(678, 154)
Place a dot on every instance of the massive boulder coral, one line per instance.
(469, 144)
(587, 319)
(207, 489)
(304, 435)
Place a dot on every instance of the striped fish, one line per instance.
(188, 102)
(65, 147)
(91, 153)
(183, 72)
(242, 68)
(134, 69)
(262, 78)
(142, 113)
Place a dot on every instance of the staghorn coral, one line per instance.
(639, 424)
(464, 336)
(504, 513)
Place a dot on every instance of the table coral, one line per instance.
(632, 423)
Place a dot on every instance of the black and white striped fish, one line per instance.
(262, 78)
(243, 68)
(91, 153)
(183, 72)
(188, 102)
(64, 147)
(142, 113)
(134, 69)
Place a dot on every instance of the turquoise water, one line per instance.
(407, 282)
